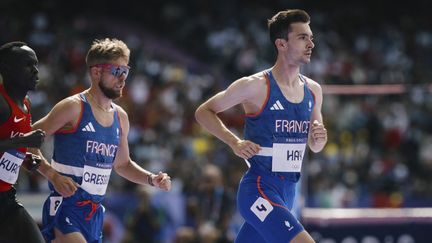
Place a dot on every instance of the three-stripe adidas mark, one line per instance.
(277, 106)
(89, 128)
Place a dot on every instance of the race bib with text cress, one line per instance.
(96, 176)
(288, 157)
(10, 164)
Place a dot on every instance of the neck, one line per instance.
(286, 73)
(100, 100)
(16, 94)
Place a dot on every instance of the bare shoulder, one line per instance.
(313, 85)
(253, 83)
(69, 108)
(256, 79)
(121, 112)
(63, 116)
(71, 104)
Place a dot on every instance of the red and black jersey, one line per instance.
(17, 124)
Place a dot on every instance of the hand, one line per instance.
(31, 162)
(64, 185)
(33, 139)
(318, 133)
(162, 181)
(246, 149)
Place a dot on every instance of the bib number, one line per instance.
(288, 157)
(10, 163)
(95, 178)
(55, 202)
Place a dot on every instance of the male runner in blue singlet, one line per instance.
(90, 139)
(283, 115)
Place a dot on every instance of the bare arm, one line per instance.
(239, 92)
(318, 133)
(65, 113)
(62, 184)
(129, 169)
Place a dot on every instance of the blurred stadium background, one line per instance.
(372, 183)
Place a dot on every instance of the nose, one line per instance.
(311, 44)
(122, 78)
(35, 69)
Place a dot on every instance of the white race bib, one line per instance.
(95, 178)
(10, 164)
(55, 202)
(288, 157)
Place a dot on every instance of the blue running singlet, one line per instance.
(266, 192)
(85, 154)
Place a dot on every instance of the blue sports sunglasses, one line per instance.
(115, 70)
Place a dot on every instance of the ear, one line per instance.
(280, 43)
(95, 71)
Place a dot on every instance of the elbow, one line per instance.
(118, 168)
(198, 113)
(121, 167)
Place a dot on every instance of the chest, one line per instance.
(294, 95)
(103, 118)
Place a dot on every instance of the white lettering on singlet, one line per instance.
(101, 148)
(16, 134)
(292, 126)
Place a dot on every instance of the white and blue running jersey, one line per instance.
(87, 153)
(281, 128)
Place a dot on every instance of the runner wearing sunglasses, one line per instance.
(90, 138)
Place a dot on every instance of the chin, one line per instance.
(33, 87)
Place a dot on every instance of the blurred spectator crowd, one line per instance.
(379, 152)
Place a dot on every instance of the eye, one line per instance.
(117, 71)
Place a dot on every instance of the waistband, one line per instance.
(67, 169)
(8, 194)
(4, 186)
(266, 151)
(288, 176)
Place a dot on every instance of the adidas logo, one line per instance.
(89, 128)
(277, 106)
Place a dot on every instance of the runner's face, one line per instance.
(22, 69)
(300, 43)
(111, 84)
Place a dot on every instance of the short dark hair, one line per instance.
(280, 24)
(7, 50)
